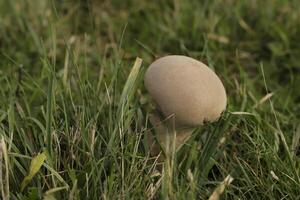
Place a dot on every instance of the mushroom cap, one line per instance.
(186, 89)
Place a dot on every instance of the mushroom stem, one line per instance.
(165, 136)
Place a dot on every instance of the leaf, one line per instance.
(35, 165)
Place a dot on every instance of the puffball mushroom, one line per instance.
(187, 93)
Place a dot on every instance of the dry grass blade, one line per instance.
(4, 181)
(296, 138)
(221, 188)
(152, 189)
(264, 99)
(241, 113)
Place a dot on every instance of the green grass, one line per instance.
(68, 88)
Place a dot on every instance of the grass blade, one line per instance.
(35, 165)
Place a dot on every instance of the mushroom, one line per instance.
(187, 94)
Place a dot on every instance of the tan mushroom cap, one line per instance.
(186, 88)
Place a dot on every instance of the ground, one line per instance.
(73, 104)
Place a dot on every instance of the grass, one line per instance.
(70, 87)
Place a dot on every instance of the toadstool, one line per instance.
(187, 94)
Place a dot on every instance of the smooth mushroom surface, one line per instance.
(186, 88)
(187, 94)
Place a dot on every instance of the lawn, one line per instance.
(74, 110)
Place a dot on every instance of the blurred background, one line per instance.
(224, 34)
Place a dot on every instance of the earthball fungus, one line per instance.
(187, 94)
